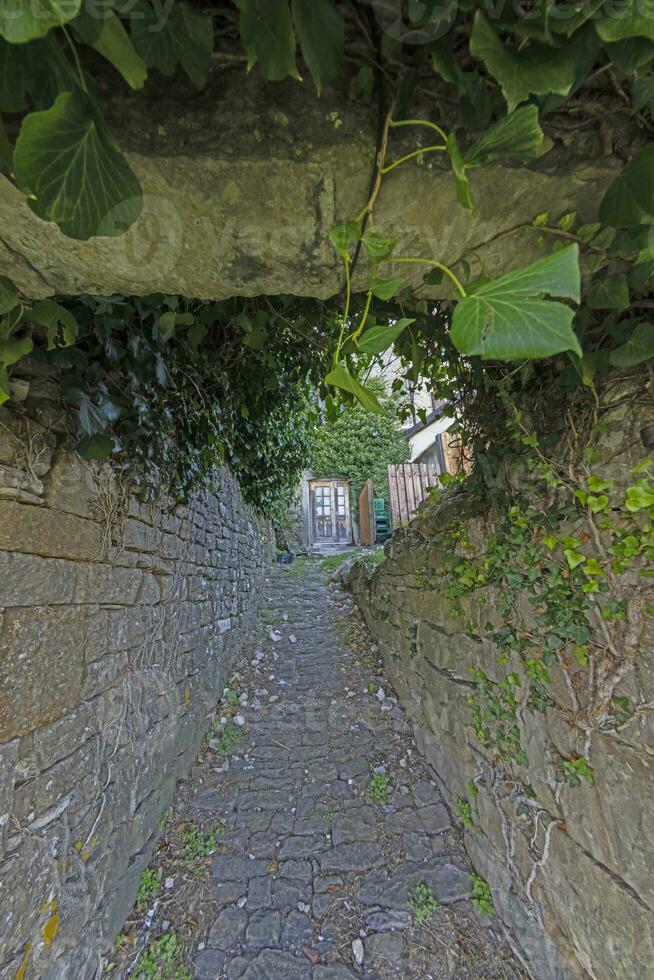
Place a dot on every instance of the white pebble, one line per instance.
(357, 951)
(169, 883)
(239, 720)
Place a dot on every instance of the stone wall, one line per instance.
(572, 868)
(118, 621)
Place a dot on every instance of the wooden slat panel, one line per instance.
(364, 516)
(408, 482)
(392, 491)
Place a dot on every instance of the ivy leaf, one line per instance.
(630, 197)
(184, 38)
(518, 134)
(92, 418)
(378, 248)
(341, 378)
(74, 174)
(11, 351)
(574, 558)
(267, 36)
(98, 446)
(507, 319)
(114, 44)
(24, 20)
(536, 70)
(380, 337)
(8, 295)
(640, 496)
(633, 19)
(631, 55)
(639, 347)
(321, 32)
(387, 288)
(342, 235)
(611, 293)
(458, 168)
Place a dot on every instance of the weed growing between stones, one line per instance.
(422, 904)
(163, 961)
(481, 895)
(464, 811)
(378, 787)
(199, 844)
(149, 886)
(226, 737)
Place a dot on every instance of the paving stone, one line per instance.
(297, 930)
(262, 845)
(425, 792)
(260, 893)
(325, 972)
(263, 929)
(351, 827)
(388, 921)
(287, 892)
(385, 946)
(278, 965)
(237, 868)
(351, 857)
(236, 967)
(320, 905)
(426, 820)
(208, 964)
(295, 869)
(228, 891)
(229, 928)
(417, 847)
(449, 883)
(301, 847)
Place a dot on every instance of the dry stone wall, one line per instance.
(571, 873)
(118, 622)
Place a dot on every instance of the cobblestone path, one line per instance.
(334, 826)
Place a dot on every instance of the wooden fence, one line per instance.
(407, 485)
(366, 515)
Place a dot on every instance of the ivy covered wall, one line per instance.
(518, 630)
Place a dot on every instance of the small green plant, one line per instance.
(422, 903)
(367, 662)
(378, 787)
(148, 887)
(372, 687)
(231, 697)
(481, 895)
(227, 737)
(163, 961)
(572, 771)
(199, 844)
(464, 811)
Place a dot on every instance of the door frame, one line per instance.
(332, 482)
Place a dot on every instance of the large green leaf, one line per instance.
(378, 247)
(267, 36)
(379, 337)
(509, 320)
(458, 169)
(60, 323)
(341, 378)
(633, 19)
(74, 174)
(12, 350)
(98, 446)
(114, 44)
(24, 20)
(638, 348)
(8, 295)
(321, 33)
(185, 37)
(537, 70)
(630, 198)
(4, 385)
(518, 134)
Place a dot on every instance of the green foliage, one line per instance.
(199, 844)
(148, 887)
(422, 903)
(463, 808)
(168, 389)
(227, 737)
(481, 895)
(163, 960)
(378, 787)
(360, 445)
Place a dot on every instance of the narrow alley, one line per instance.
(311, 840)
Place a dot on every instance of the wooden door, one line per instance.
(331, 512)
